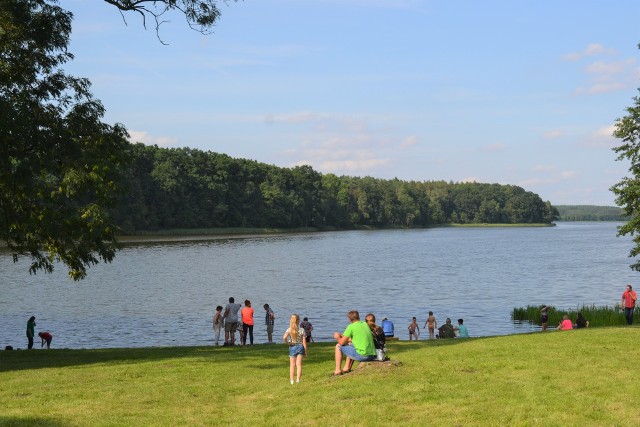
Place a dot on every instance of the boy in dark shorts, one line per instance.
(308, 327)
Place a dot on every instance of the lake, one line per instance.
(165, 294)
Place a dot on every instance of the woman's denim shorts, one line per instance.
(295, 350)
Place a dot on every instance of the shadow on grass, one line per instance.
(31, 421)
(17, 360)
(319, 353)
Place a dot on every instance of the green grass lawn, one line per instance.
(573, 378)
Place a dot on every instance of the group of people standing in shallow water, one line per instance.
(236, 318)
(444, 331)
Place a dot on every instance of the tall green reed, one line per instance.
(596, 315)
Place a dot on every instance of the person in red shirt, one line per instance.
(45, 337)
(629, 298)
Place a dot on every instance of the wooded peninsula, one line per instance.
(184, 188)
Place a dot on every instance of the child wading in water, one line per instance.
(414, 329)
(297, 340)
(431, 323)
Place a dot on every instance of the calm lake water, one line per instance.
(165, 294)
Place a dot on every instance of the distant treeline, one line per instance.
(590, 213)
(186, 188)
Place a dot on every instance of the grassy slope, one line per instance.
(585, 377)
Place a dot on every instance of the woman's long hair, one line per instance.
(293, 327)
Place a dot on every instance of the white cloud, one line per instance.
(609, 76)
(609, 67)
(592, 49)
(606, 131)
(344, 144)
(600, 138)
(547, 175)
(144, 137)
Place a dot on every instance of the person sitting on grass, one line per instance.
(361, 348)
(581, 322)
(379, 340)
(387, 327)
(446, 330)
(462, 330)
(565, 324)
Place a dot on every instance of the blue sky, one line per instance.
(508, 92)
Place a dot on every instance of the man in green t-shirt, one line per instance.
(361, 347)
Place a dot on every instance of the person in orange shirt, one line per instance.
(629, 298)
(247, 322)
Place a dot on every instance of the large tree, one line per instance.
(59, 163)
(627, 191)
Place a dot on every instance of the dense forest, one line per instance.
(590, 213)
(188, 188)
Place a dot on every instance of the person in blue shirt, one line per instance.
(387, 327)
(462, 330)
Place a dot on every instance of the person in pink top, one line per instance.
(629, 298)
(247, 322)
(565, 324)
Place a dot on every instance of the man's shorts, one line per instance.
(230, 326)
(269, 329)
(351, 353)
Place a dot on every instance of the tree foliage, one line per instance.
(201, 15)
(627, 191)
(59, 163)
(590, 213)
(187, 188)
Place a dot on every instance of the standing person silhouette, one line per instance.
(269, 320)
(231, 322)
(544, 317)
(31, 325)
(247, 322)
(218, 323)
(432, 324)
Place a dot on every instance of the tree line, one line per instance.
(189, 188)
(590, 213)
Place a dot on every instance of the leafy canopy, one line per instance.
(58, 162)
(627, 191)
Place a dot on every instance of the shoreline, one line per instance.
(199, 235)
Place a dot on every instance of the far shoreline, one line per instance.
(211, 234)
